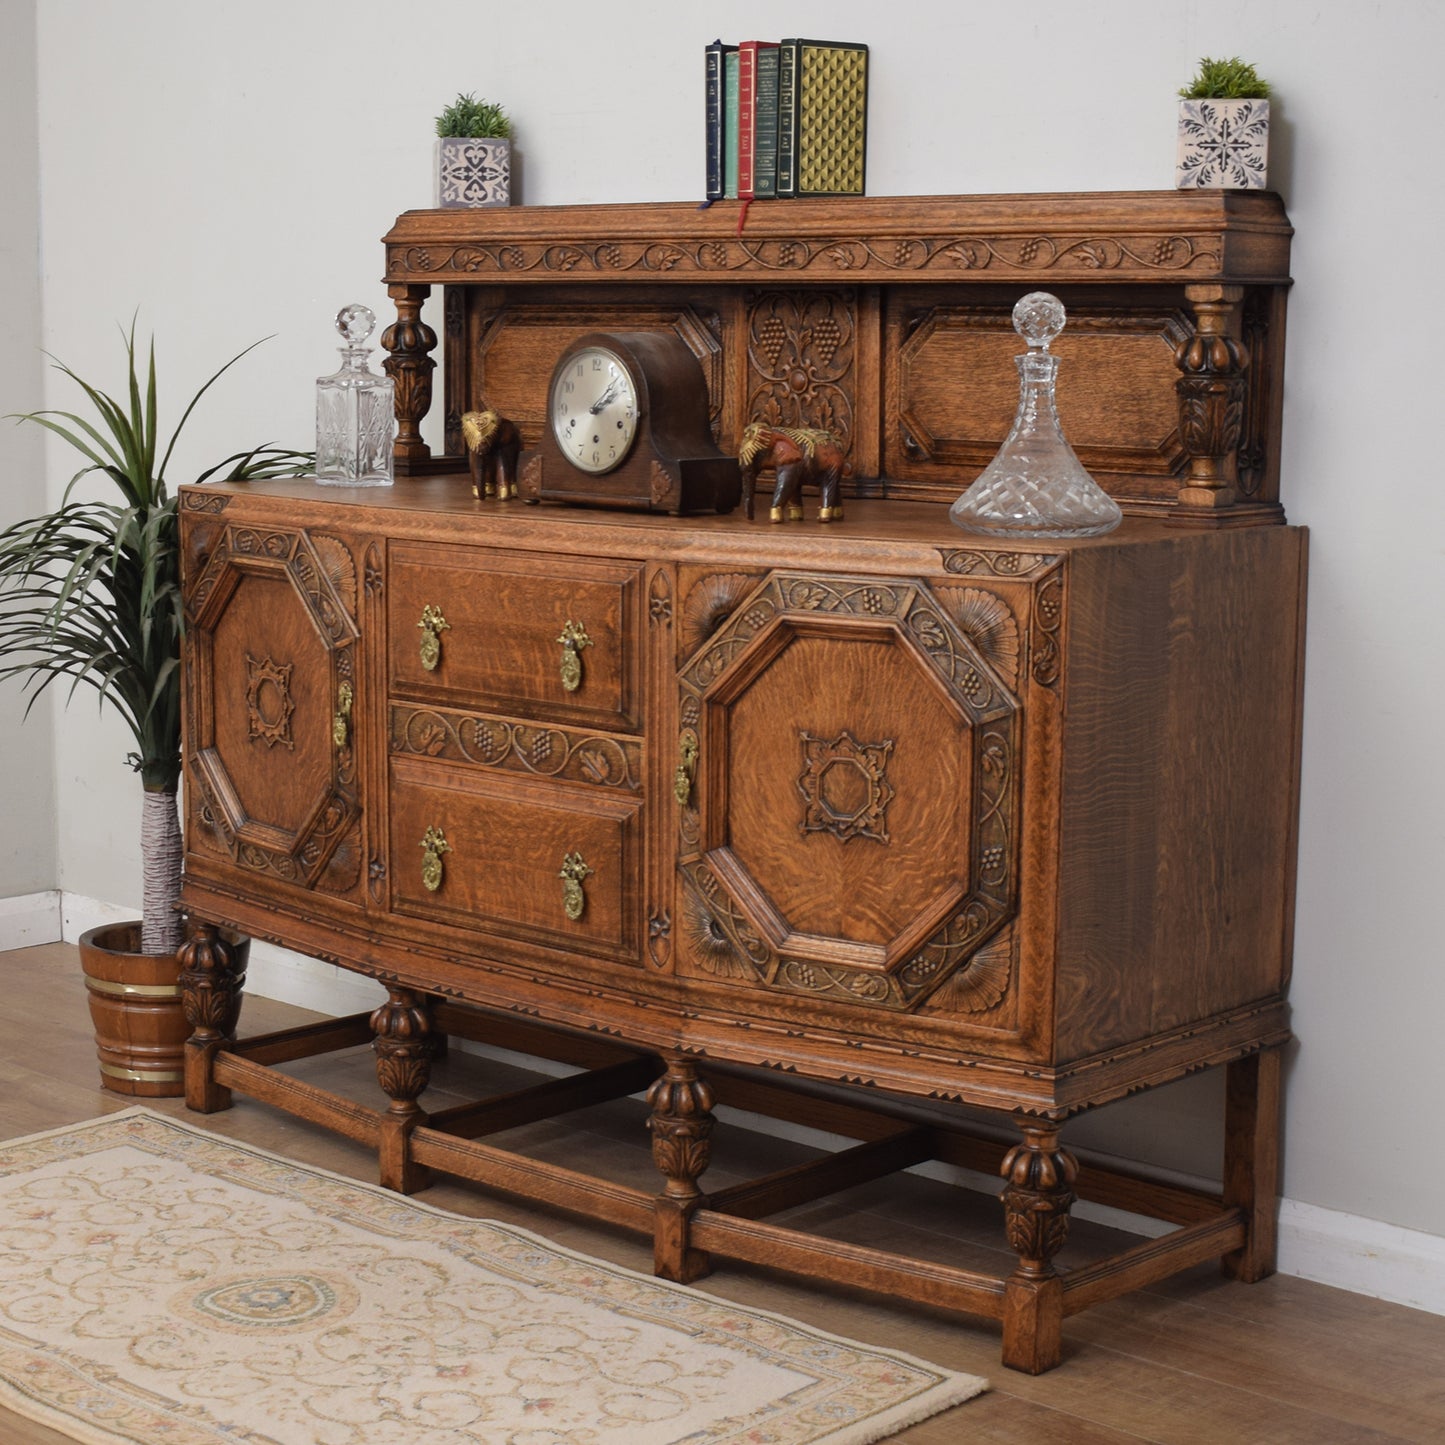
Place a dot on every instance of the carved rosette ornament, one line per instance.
(410, 342)
(1211, 390)
(404, 1046)
(681, 1125)
(211, 984)
(1038, 1191)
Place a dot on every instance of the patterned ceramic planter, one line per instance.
(473, 172)
(1222, 143)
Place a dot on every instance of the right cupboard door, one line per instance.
(849, 793)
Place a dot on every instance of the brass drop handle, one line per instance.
(682, 779)
(433, 845)
(432, 625)
(341, 719)
(573, 639)
(574, 873)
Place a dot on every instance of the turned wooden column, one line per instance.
(1251, 1160)
(212, 979)
(410, 342)
(404, 1048)
(1038, 1191)
(1211, 392)
(681, 1126)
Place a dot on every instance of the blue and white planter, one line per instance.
(473, 172)
(1222, 144)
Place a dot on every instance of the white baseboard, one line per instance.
(29, 919)
(1348, 1251)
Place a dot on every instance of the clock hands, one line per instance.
(606, 395)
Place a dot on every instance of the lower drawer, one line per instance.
(517, 858)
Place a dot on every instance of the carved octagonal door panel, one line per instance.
(849, 792)
(271, 687)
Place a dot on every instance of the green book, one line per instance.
(730, 125)
(765, 125)
(788, 118)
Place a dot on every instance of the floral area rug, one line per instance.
(162, 1286)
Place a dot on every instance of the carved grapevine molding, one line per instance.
(548, 752)
(800, 360)
(1028, 253)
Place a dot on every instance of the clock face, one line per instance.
(593, 409)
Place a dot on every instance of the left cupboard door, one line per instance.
(274, 695)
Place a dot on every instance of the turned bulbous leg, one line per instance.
(212, 979)
(404, 1046)
(1038, 1191)
(681, 1125)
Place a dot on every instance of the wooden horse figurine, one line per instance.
(492, 446)
(799, 455)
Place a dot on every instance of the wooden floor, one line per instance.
(1198, 1359)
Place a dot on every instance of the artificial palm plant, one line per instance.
(92, 592)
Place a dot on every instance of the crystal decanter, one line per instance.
(355, 422)
(1036, 486)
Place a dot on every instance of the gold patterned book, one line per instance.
(822, 118)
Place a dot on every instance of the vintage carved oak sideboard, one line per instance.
(733, 811)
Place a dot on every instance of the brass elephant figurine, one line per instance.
(799, 455)
(493, 444)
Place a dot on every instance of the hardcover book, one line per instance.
(713, 116)
(765, 123)
(822, 118)
(730, 123)
(747, 115)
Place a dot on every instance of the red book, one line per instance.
(748, 112)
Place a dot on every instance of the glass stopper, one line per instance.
(1038, 318)
(355, 323)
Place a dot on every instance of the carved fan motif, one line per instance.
(981, 982)
(711, 947)
(987, 622)
(708, 606)
(338, 567)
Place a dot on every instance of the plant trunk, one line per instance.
(160, 847)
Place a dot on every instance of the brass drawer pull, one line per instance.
(573, 639)
(341, 719)
(432, 625)
(433, 845)
(574, 872)
(682, 779)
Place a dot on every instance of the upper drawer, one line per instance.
(499, 619)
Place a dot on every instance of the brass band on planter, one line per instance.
(341, 721)
(144, 1076)
(133, 990)
(432, 625)
(573, 639)
(574, 872)
(682, 779)
(433, 845)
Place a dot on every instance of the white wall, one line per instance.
(28, 860)
(230, 169)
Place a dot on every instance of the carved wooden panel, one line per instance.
(271, 691)
(515, 344)
(852, 828)
(801, 349)
(954, 390)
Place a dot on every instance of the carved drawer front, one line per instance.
(848, 790)
(274, 692)
(544, 636)
(517, 858)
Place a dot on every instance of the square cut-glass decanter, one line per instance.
(355, 420)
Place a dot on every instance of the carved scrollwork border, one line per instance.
(1027, 253)
(490, 742)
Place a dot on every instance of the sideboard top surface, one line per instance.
(1196, 236)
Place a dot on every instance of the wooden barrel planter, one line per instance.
(135, 1007)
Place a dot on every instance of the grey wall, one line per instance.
(232, 198)
(28, 860)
